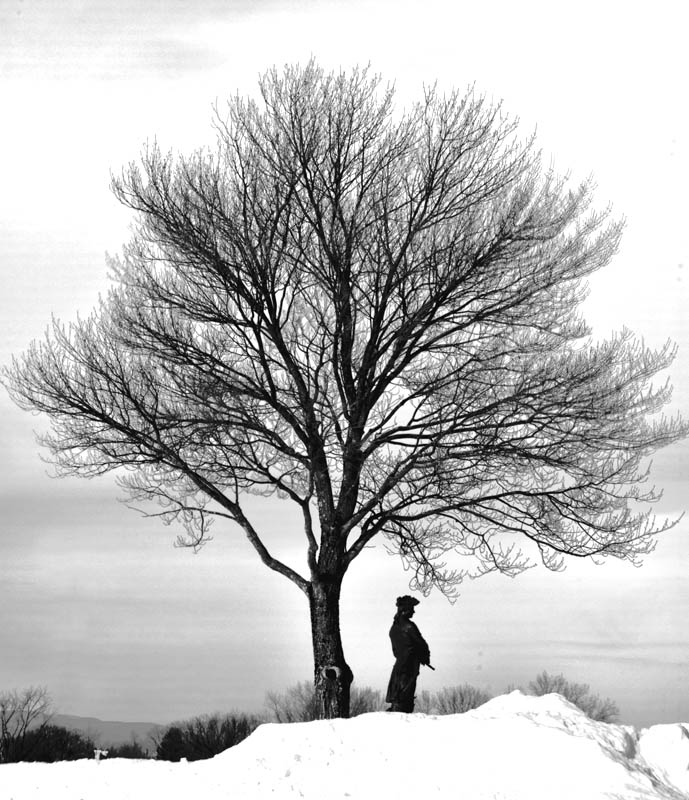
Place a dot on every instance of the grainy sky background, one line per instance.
(95, 603)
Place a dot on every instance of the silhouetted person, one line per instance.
(410, 650)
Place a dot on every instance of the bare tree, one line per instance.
(20, 713)
(373, 315)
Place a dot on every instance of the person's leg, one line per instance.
(406, 695)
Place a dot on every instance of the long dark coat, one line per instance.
(410, 650)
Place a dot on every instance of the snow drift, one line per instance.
(515, 747)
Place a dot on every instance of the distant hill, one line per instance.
(106, 733)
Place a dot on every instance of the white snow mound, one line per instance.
(666, 749)
(515, 747)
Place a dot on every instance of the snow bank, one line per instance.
(666, 749)
(515, 747)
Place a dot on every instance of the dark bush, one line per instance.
(204, 736)
(132, 749)
(50, 743)
(171, 746)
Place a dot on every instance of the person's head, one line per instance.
(406, 605)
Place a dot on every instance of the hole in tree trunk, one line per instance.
(331, 673)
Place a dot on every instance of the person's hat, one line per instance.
(407, 601)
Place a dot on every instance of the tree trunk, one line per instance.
(332, 675)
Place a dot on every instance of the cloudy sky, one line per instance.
(95, 603)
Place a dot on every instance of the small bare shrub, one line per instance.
(365, 700)
(597, 708)
(424, 703)
(450, 700)
(299, 703)
(458, 699)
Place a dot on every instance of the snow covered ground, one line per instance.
(515, 747)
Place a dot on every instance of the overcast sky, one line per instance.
(95, 603)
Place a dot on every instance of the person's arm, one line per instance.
(421, 648)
